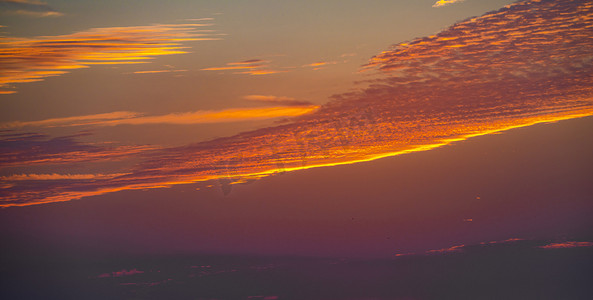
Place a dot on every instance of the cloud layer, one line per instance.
(527, 63)
(29, 60)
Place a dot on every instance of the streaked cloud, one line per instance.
(227, 115)
(121, 273)
(278, 100)
(27, 149)
(22, 61)
(261, 72)
(71, 121)
(248, 67)
(463, 248)
(320, 65)
(28, 7)
(55, 176)
(288, 109)
(159, 71)
(565, 245)
(445, 2)
(453, 249)
(525, 64)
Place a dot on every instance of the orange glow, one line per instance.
(27, 60)
(428, 95)
(197, 117)
(251, 67)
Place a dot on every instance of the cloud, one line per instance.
(565, 245)
(55, 176)
(524, 64)
(320, 65)
(159, 71)
(22, 61)
(121, 273)
(248, 67)
(227, 115)
(70, 121)
(261, 72)
(27, 149)
(465, 248)
(454, 249)
(445, 2)
(29, 7)
(186, 118)
(288, 101)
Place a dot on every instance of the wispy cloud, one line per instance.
(35, 149)
(185, 118)
(279, 100)
(445, 2)
(70, 121)
(248, 67)
(22, 61)
(28, 7)
(55, 176)
(565, 245)
(506, 69)
(159, 71)
(464, 248)
(320, 65)
(453, 249)
(121, 273)
(222, 116)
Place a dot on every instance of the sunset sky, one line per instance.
(300, 128)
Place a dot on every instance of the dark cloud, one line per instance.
(498, 271)
(31, 149)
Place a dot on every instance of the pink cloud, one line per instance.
(565, 245)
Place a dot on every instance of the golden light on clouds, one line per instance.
(525, 64)
(445, 2)
(29, 60)
(185, 118)
(248, 67)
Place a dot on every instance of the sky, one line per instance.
(366, 129)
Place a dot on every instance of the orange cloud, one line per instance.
(507, 69)
(197, 117)
(320, 64)
(445, 2)
(565, 245)
(251, 67)
(69, 121)
(276, 100)
(228, 115)
(159, 71)
(55, 176)
(29, 60)
(261, 72)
